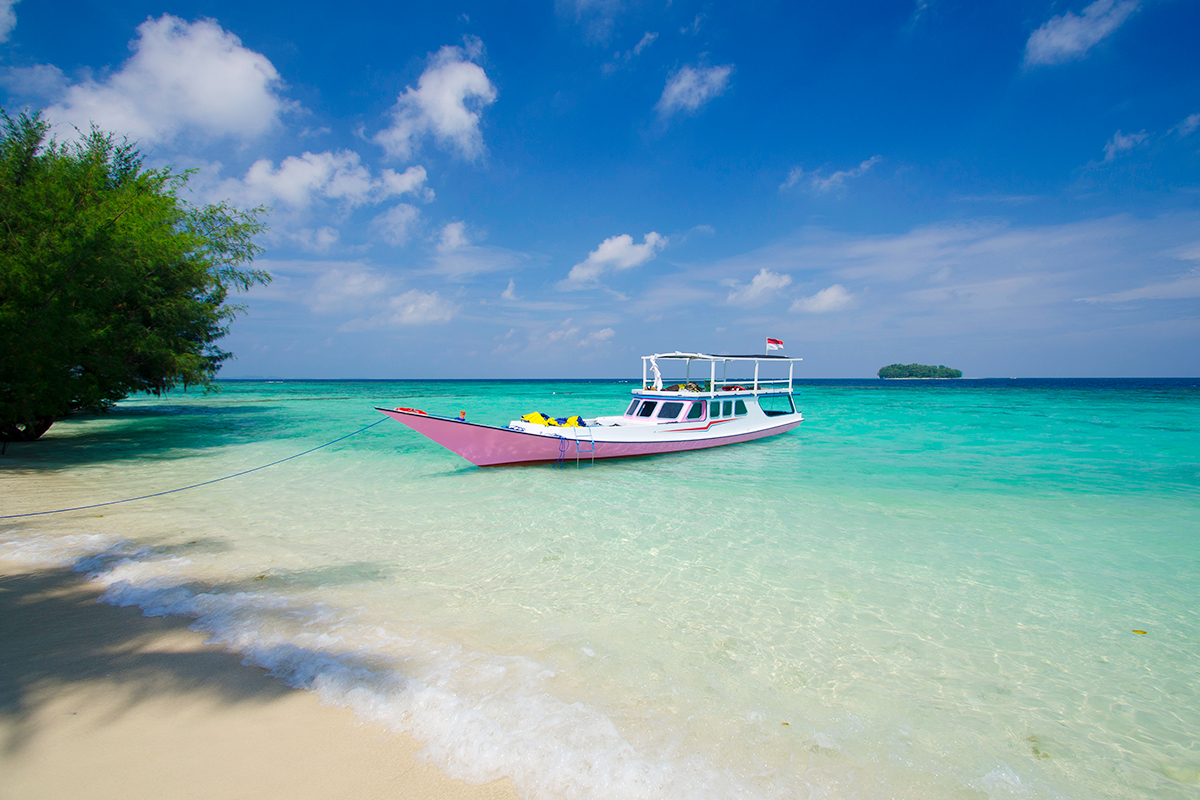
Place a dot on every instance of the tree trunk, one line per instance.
(24, 432)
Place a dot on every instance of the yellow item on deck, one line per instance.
(539, 419)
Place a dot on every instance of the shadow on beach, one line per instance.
(54, 635)
(163, 432)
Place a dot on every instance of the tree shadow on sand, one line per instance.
(55, 636)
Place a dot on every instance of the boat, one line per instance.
(703, 410)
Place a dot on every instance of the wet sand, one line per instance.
(100, 702)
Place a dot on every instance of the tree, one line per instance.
(110, 283)
(918, 371)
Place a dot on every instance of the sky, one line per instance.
(554, 189)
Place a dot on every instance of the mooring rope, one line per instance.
(194, 485)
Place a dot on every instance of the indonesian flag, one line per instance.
(774, 344)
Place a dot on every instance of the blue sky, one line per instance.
(554, 189)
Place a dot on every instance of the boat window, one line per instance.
(776, 405)
(696, 411)
(670, 410)
(632, 406)
(740, 407)
(647, 408)
(728, 410)
(715, 411)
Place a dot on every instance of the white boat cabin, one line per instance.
(708, 392)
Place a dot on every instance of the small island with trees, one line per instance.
(918, 371)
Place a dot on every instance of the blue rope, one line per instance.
(194, 485)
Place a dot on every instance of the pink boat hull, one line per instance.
(489, 446)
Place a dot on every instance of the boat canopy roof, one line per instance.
(678, 356)
(722, 383)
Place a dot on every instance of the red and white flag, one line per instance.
(774, 344)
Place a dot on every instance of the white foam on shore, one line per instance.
(473, 730)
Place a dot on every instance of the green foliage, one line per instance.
(918, 371)
(109, 283)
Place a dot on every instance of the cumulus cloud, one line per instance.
(837, 181)
(615, 253)
(43, 81)
(511, 292)
(319, 240)
(8, 18)
(834, 298)
(692, 87)
(413, 307)
(339, 176)
(1070, 35)
(1123, 143)
(454, 237)
(182, 77)
(597, 337)
(563, 332)
(395, 226)
(458, 259)
(760, 289)
(345, 288)
(446, 104)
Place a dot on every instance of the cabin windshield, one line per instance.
(670, 410)
(776, 405)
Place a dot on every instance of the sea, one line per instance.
(930, 589)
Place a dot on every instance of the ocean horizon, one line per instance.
(975, 588)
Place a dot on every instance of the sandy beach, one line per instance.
(101, 702)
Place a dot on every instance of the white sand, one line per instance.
(101, 702)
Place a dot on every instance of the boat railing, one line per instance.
(728, 386)
(716, 384)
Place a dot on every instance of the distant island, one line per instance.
(918, 371)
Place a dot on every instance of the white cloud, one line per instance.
(454, 237)
(182, 77)
(450, 95)
(345, 289)
(623, 58)
(319, 240)
(646, 40)
(834, 298)
(414, 307)
(340, 176)
(1179, 288)
(1123, 142)
(395, 226)
(1070, 36)
(1188, 125)
(458, 259)
(563, 332)
(597, 17)
(760, 289)
(597, 337)
(511, 292)
(837, 181)
(692, 87)
(43, 81)
(615, 253)
(8, 18)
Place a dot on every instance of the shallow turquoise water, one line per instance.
(928, 590)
